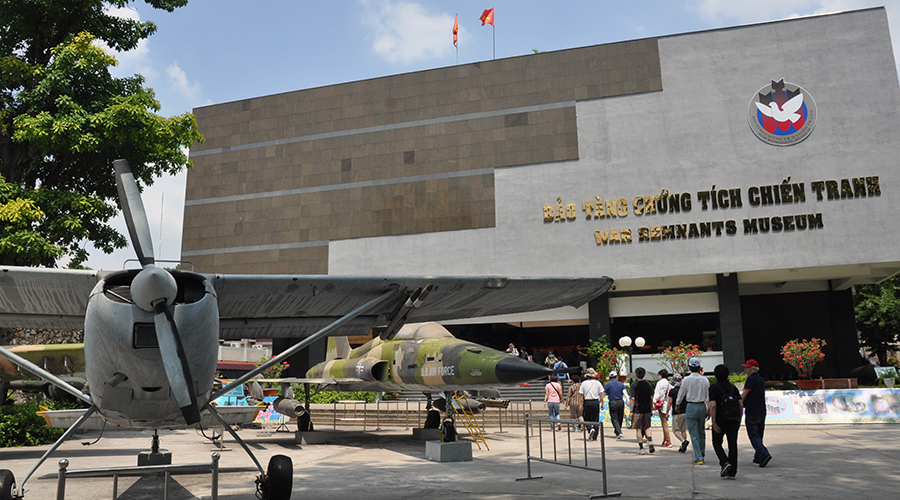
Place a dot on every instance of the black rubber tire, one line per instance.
(433, 420)
(304, 422)
(448, 431)
(279, 478)
(7, 481)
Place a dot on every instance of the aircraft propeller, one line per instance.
(154, 290)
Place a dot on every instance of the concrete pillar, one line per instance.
(844, 334)
(730, 326)
(598, 319)
(303, 360)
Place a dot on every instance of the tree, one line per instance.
(64, 119)
(878, 317)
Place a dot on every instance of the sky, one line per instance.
(217, 51)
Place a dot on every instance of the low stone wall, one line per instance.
(30, 336)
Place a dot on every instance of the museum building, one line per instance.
(736, 183)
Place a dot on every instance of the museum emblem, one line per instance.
(782, 114)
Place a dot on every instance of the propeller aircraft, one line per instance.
(151, 335)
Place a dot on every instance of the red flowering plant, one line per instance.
(273, 371)
(675, 358)
(803, 355)
(608, 358)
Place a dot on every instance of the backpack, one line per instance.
(731, 406)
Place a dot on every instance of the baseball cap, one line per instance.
(694, 362)
(751, 362)
(613, 374)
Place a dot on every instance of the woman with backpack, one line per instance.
(725, 411)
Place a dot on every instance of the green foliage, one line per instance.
(21, 426)
(64, 119)
(332, 396)
(877, 310)
(608, 358)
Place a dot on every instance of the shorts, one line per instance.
(679, 423)
(641, 421)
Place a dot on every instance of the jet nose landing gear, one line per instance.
(278, 481)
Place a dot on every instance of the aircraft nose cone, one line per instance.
(514, 370)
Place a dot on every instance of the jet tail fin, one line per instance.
(338, 348)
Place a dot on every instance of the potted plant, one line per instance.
(675, 358)
(709, 344)
(274, 371)
(803, 356)
(607, 358)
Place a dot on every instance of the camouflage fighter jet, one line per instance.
(64, 360)
(422, 357)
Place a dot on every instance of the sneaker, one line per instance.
(652, 449)
(765, 461)
(729, 477)
(620, 436)
(558, 427)
(684, 445)
(642, 452)
(594, 435)
(726, 469)
(698, 463)
(666, 444)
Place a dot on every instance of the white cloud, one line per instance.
(404, 32)
(178, 82)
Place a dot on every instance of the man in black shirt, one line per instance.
(725, 411)
(642, 410)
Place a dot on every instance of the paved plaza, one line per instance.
(815, 461)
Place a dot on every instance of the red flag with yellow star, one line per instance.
(487, 17)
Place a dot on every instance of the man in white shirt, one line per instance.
(592, 390)
(694, 393)
(660, 404)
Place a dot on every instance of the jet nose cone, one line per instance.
(512, 370)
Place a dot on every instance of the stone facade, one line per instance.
(281, 176)
(29, 336)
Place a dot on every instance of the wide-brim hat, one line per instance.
(591, 373)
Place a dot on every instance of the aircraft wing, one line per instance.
(276, 306)
(59, 359)
(45, 298)
(259, 306)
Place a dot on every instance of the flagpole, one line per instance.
(457, 43)
(494, 36)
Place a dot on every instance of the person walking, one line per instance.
(574, 400)
(615, 393)
(679, 426)
(592, 390)
(553, 396)
(754, 398)
(642, 410)
(661, 404)
(725, 411)
(693, 395)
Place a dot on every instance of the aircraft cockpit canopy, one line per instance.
(430, 330)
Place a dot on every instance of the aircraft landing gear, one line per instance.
(7, 484)
(278, 481)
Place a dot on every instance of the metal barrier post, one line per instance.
(529, 421)
(61, 483)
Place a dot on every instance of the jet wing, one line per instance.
(259, 306)
(276, 306)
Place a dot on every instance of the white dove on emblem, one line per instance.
(788, 111)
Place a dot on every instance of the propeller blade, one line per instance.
(135, 217)
(175, 362)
